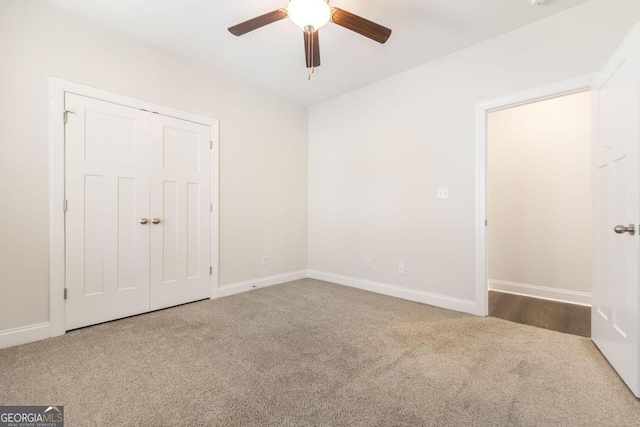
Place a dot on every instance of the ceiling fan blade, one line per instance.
(360, 25)
(255, 23)
(312, 44)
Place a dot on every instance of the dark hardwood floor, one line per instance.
(557, 316)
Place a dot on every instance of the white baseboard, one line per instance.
(552, 294)
(443, 301)
(18, 336)
(236, 288)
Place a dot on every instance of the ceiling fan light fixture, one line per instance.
(309, 13)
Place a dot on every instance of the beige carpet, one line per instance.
(313, 353)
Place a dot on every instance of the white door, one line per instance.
(138, 218)
(107, 191)
(180, 209)
(616, 299)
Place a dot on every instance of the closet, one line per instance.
(138, 201)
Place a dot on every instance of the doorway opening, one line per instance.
(534, 109)
(539, 213)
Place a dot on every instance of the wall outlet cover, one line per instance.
(443, 193)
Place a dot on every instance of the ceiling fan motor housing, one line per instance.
(309, 14)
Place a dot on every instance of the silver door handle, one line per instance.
(621, 229)
(155, 221)
(144, 221)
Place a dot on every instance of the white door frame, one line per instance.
(482, 113)
(57, 279)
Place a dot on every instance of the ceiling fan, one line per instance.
(311, 15)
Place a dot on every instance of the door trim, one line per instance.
(483, 109)
(57, 278)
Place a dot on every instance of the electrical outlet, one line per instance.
(443, 193)
(401, 268)
(367, 263)
(265, 261)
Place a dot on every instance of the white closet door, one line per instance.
(107, 189)
(180, 200)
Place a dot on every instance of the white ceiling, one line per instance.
(272, 57)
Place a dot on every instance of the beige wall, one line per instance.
(539, 194)
(263, 165)
(377, 155)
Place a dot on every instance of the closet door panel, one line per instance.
(180, 200)
(107, 191)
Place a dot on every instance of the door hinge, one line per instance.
(65, 206)
(210, 271)
(65, 293)
(66, 115)
(211, 207)
(485, 222)
(210, 145)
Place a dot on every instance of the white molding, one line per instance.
(541, 292)
(57, 274)
(215, 212)
(482, 293)
(442, 301)
(249, 285)
(24, 335)
(116, 98)
(566, 87)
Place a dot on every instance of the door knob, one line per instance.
(621, 229)
(144, 221)
(155, 221)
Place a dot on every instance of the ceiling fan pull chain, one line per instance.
(313, 59)
(310, 50)
(310, 45)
